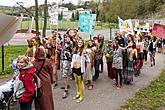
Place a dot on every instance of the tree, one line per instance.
(36, 17)
(45, 18)
(77, 15)
(70, 6)
(73, 17)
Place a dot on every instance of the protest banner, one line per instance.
(142, 27)
(87, 23)
(125, 26)
(158, 31)
(53, 14)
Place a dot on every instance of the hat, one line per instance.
(95, 38)
(110, 41)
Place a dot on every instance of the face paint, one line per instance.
(34, 43)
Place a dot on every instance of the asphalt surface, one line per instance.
(104, 95)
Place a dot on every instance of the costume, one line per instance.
(45, 102)
(130, 67)
(98, 60)
(78, 68)
(66, 57)
(109, 59)
(89, 66)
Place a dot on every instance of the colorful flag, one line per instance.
(125, 26)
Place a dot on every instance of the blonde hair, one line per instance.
(25, 58)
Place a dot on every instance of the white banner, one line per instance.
(125, 26)
(142, 27)
(53, 13)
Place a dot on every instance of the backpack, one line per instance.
(38, 83)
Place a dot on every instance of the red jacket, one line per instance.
(27, 77)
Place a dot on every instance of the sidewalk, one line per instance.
(104, 96)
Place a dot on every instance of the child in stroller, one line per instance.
(7, 89)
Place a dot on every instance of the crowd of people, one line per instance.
(82, 61)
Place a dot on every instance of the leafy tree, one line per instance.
(73, 17)
(70, 6)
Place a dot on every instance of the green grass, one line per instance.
(63, 25)
(10, 53)
(149, 98)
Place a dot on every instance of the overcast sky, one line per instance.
(31, 2)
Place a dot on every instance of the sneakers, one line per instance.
(65, 94)
(79, 100)
(76, 97)
(64, 87)
(55, 85)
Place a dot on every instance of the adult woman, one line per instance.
(53, 52)
(45, 102)
(78, 68)
(29, 51)
(37, 44)
(26, 76)
(130, 64)
(90, 64)
(152, 50)
(117, 63)
(98, 57)
(140, 46)
(109, 58)
(66, 57)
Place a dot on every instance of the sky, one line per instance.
(28, 3)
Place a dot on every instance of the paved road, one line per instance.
(104, 96)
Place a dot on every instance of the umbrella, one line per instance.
(8, 27)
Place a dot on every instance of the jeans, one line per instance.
(97, 65)
(26, 105)
(102, 64)
(118, 73)
(145, 54)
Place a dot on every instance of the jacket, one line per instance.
(27, 77)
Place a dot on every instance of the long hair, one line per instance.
(37, 40)
(88, 46)
(79, 50)
(117, 45)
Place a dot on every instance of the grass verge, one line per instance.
(10, 53)
(149, 98)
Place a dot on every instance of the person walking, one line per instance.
(45, 102)
(26, 76)
(78, 69)
(90, 64)
(117, 63)
(109, 59)
(98, 57)
(66, 57)
(152, 50)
